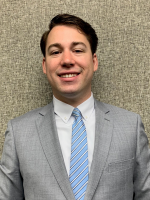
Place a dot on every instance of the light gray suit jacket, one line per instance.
(32, 165)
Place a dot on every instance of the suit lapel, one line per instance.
(103, 135)
(50, 143)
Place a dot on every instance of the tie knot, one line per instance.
(76, 113)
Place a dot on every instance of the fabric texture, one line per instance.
(123, 77)
(121, 157)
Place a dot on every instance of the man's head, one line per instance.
(69, 58)
(78, 23)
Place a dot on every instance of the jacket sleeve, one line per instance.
(142, 165)
(11, 184)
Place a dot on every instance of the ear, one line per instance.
(44, 65)
(95, 62)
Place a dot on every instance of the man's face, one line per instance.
(69, 63)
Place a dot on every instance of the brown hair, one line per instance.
(71, 20)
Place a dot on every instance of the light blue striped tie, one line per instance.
(79, 171)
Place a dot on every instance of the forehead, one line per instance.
(65, 35)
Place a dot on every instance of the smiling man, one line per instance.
(75, 147)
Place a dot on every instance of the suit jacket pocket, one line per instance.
(121, 165)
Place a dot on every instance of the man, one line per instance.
(38, 161)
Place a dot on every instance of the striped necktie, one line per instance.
(79, 171)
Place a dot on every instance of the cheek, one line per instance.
(88, 62)
(83, 63)
(51, 67)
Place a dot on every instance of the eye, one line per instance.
(78, 50)
(55, 52)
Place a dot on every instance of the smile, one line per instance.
(68, 75)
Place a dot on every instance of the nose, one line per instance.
(67, 59)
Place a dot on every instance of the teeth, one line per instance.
(68, 75)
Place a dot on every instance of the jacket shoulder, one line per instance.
(33, 114)
(114, 111)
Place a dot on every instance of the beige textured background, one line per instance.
(123, 28)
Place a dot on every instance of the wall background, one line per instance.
(123, 77)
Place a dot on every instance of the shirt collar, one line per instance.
(64, 110)
(87, 107)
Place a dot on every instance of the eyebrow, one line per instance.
(54, 45)
(78, 43)
(58, 45)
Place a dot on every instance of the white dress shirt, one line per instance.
(64, 122)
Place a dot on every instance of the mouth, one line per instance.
(68, 75)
